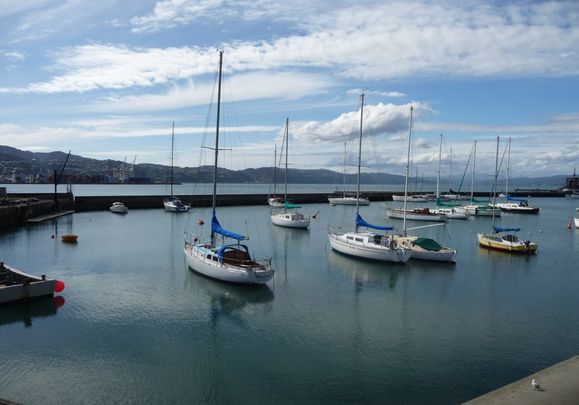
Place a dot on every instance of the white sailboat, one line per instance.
(420, 248)
(512, 204)
(346, 198)
(451, 210)
(290, 218)
(367, 245)
(499, 238)
(227, 262)
(479, 208)
(274, 200)
(173, 204)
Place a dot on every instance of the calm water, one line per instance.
(139, 327)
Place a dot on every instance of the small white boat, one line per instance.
(517, 207)
(16, 285)
(452, 213)
(291, 220)
(276, 202)
(576, 220)
(416, 214)
(573, 195)
(118, 208)
(175, 205)
(348, 200)
(369, 245)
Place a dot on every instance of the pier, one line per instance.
(557, 385)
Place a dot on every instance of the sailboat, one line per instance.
(227, 262)
(452, 210)
(289, 219)
(416, 214)
(274, 200)
(174, 204)
(512, 204)
(367, 245)
(479, 208)
(420, 248)
(499, 239)
(346, 198)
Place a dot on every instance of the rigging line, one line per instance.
(465, 169)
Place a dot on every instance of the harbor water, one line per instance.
(137, 326)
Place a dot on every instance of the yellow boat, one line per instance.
(506, 242)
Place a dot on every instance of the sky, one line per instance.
(107, 79)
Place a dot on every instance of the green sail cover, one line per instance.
(428, 244)
(288, 204)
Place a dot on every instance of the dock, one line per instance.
(41, 218)
(558, 385)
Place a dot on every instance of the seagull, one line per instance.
(536, 385)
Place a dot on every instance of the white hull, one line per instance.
(452, 213)
(291, 220)
(410, 198)
(347, 201)
(275, 202)
(411, 215)
(174, 206)
(576, 220)
(13, 287)
(197, 260)
(118, 208)
(346, 244)
(517, 208)
(572, 196)
(418, 253)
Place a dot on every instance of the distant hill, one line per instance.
(80, 169)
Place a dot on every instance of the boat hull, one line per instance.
(505, 246)
(29, 287)
(347, 201)
(410, 215)
(340, 244)
(410, 199)
(477, 211)
(576, 220)
(288, 221)
(417, 253)
(198, 261)
(174, 206)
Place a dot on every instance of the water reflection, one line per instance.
(365, 272)
(26, 312)
(230, 301)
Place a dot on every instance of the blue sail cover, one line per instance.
(509, 198)
(497, 229)
(360, 222)
(216, 227)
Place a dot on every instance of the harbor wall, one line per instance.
(19, 209)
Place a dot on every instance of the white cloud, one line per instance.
(392, 94)
(14, 56)
(379, 119)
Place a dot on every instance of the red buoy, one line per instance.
(59, 286)
(200, 222)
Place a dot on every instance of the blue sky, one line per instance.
(106, 79)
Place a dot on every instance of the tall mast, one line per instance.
(286, 153)
(495, 186)
(407, 171)
(438, 174)
(508, 168)
(359, 156)
(172, 151)
(472, 173)
(344, 176)
(274, 169)
(214, 201)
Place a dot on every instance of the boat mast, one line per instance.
(438, 176)
(407, 172)
(214, 201)
(495, 186)
(274, 170)
(344, 176)
(508, 168)
(359, 156)
(172, 151)
(472, 173)
(286, 148)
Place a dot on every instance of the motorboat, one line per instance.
(175, 205)
(17, 286)
(118, 208)
(499, 240)
(517, 206)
